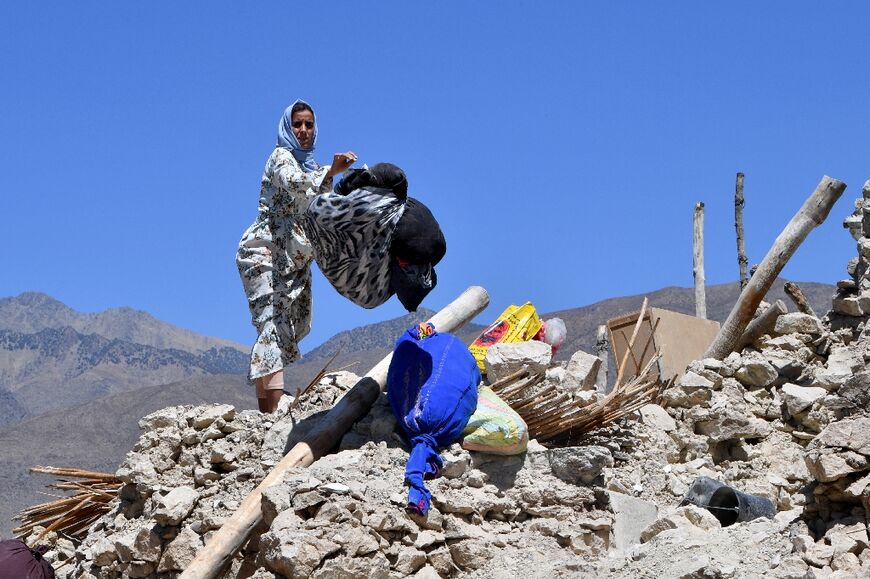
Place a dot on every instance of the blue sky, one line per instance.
(562, 146)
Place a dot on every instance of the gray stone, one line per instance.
(274, 501)
(657, 417)
(175, 506)
(294, 554)
(701, 518)
(798, 323)
(103, 552)
(375, 566)
(690, 390)
(138, 543)
(656, 527)
(631, 517)
(732, 425)
(842, 363)
(137, 468)
(356, 542)
(850, 433)
(471, 554)
(579, 464)
(410, 560)
(791, 567)
(165, 417)
(789, 343)
(828, 466)
(581, 372)
(756, 373)
(212, 413)
(799, 398)
(504, 359)
(181, 551)
(847, 306)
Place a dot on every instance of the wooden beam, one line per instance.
(813, 212)
(212, 559)
(739, 202)
(602, 344)
(698, 262)
(762, 324)
(793, 291)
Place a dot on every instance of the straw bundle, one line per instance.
(72, 514)
(552, 414)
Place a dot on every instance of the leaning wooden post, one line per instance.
(211, 560)
(793, 291)
(813, 212)
(602, 345)
(698, 262)
(739, 202)
(762, 324)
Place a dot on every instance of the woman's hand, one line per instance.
(341, 162)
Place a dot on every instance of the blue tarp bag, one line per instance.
(432, 388)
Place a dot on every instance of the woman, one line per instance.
(274, 256)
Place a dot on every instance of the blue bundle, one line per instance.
(432, 388)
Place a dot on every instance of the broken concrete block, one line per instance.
(690, 390)
(579, 464)
(842, 363)
(582, 371)
(756, 373)
(504, 359)
(828, 466)
(632, 516)
(699, 517)
(212, 413)
(850, 433)
(181, 551)
(731, 425)
(175, 506)
(847, 306)
(657, 417)
(798, 323)
(799, 398)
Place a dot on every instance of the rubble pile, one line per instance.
(787, 418)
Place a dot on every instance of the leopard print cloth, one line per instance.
(351, 237)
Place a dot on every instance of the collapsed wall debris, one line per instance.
(785, 418)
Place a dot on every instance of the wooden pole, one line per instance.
(739, 202)
(211, 560)
(793, 291)
(813, 212)
(698, 262)
(602, 345)
(762, 324)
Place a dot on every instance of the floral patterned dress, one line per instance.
(274, 261)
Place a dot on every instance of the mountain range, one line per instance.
(101, 384)
(52, 357)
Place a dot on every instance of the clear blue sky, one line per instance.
(561, 145)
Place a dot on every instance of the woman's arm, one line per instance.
(288, 175)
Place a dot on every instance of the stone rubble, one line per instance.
(788, 418)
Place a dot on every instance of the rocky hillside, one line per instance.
(52, 357)
(31, 312)
(785, 420)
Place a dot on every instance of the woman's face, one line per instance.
(302, 123)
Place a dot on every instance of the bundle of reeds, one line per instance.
(71, 515)
(551, 414)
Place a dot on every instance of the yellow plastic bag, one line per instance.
(495, 427)
(515, 324)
